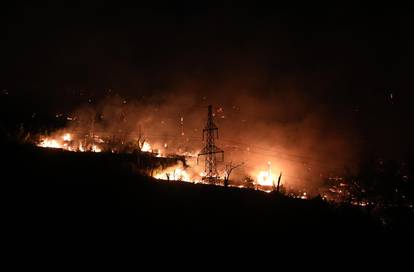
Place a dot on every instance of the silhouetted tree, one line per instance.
(249, 182)
(227, 172)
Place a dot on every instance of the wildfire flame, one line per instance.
(265, 178)
(50, 143)
(72, 142)
(173, 174)
(66, 141)
(95, 148)
(67, 137)
(146, 147)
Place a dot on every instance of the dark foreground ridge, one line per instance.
(52, 192)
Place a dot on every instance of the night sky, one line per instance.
(353, 63)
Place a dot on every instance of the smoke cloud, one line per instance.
(282, 127)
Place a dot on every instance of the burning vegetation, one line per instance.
(67, 142)
(90, 131)
(174, 135)
(73, 142)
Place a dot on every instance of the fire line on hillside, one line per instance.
(101, 142)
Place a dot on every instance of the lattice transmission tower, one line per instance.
(210, 132)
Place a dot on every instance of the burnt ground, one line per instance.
(52, 194)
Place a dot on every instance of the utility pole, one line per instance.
(210, 132)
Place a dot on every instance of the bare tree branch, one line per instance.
(227, 171)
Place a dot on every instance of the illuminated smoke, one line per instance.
(253, 130)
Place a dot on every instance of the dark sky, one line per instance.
(345, 60)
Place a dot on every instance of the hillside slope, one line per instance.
(53, 191)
